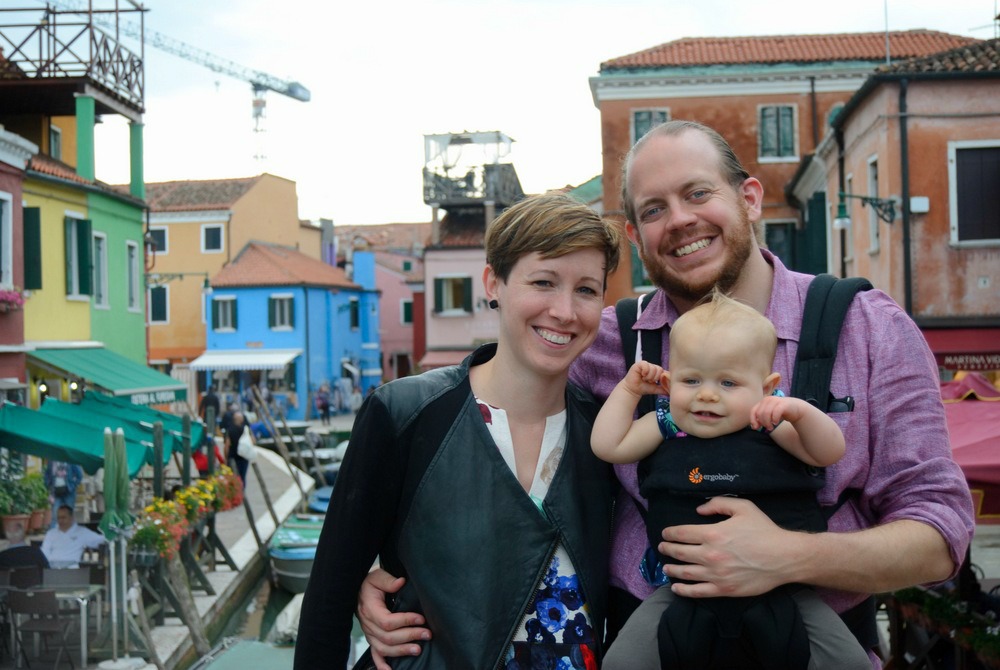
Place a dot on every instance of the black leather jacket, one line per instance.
(424, 487)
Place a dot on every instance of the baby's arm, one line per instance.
(616, 438)
(807, 433)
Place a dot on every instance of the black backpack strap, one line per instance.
(826, 306)
(627, 311)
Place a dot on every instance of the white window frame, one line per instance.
(849, 233)
(873, 220)
(642, 110)
(166, 240)
(287, 299)
(55, 132)
(447, 294)
(7, 239)
(133, 286)
(100, 269)
(222, 238)
(794, 157)
(953, 148)
(72, 262)
(228, 328)
(166, 304)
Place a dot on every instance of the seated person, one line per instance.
(19, 553)
(63, 545)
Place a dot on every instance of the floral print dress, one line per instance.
(556, 632)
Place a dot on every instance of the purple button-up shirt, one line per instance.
(898, 454)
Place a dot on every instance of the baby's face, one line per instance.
(713, 384)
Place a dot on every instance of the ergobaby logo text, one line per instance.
(697, 477)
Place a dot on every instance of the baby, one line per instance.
(725, 430)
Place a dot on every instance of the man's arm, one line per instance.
(737, 557)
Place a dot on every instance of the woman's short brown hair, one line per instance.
(553, 225)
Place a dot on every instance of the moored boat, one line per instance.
(292, 550)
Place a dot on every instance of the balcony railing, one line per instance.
(495, 182)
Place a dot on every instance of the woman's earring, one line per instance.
(494, 304)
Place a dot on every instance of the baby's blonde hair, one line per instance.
(718, 310)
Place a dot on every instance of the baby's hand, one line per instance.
(645, 378)
(773, 409)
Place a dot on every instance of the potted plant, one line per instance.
(17, 507)
(11, 299)
(38, 498)
(158, 532)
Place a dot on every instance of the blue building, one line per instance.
(290, 322)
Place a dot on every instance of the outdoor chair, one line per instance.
(41, 610)
(25, 577)
(55, 578)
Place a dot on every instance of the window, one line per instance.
(100, 265)
(6, 239)
(224, 314)
(779, 238)
(32, 248)
(406, 312)
(453, 296)
(211, 239)
(159, 239)
(280, 315)
(407, 266)
(848, 250)
(974, 174)
(777, 132)
(132, 274)
(355, 307)
(55, 142)
(644, 120)
(78, 256)
(640, 278)
(159, 302)
(873, 219)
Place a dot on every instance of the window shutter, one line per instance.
(291, 312)
(84, 251)
(407, 311)
(233, 305)
(271, 307)
(32, 248)
(68, 227)
(216, 306)
(786, 128)
(467, 294)
(438, 295)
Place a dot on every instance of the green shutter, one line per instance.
(467, 294)
(233, 303)
(216, 305)
(85, 256)
(438, 295)
(271, 308)
(291, 312)
(407, 312)
(32, 248)
(68, 226)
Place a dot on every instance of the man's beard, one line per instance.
(739, 245)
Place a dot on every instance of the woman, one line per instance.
(476, 482)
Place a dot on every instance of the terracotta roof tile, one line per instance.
(263, 264)
(45, 164)
(788, 49)
(394, 261)
(188, 196)
(978, 57)
(386, 236)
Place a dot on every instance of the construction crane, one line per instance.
(261, 82)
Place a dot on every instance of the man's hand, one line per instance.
(388, 634)
(744, 555)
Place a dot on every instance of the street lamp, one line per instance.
(885, 209)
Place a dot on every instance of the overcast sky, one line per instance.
(384, 73)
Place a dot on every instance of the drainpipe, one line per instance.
(904, 155)
(305, 310)
(812, 105)
(841, 180)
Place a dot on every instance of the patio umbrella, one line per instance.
(116, 524)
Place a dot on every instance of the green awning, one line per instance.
(56, 438)
(116, 374)
(173, 425)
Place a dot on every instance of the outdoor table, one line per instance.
(81, 595)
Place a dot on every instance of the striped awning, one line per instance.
(245, 359)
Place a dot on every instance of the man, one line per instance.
(63, 545)
(906, 517)
(19, 553)
(233, 433)
(210, 399)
